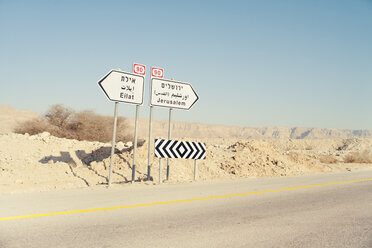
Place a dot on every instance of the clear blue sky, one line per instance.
(252, 63)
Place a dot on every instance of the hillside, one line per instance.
(201, 130)
(43, 162)
(10, 118)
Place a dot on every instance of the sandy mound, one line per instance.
(43, 162)
(10, 118)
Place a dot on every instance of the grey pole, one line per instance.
(169, 137)
(149, 147)
(160, 171)
(135, 144)
(195, 169)
(113, 141)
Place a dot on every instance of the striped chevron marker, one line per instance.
(179, 149)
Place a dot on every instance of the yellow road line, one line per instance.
(179, 201)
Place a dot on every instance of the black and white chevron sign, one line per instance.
(179, 149)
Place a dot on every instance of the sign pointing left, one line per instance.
(122, 86)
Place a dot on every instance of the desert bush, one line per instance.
(328, 159)
(34, 126)
(59, 116)
(64, 122)
(359, 157)
(89, 126)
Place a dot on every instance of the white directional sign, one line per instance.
(172, 94)
(122, 86)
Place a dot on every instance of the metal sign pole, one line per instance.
(160, 171)
(135, 144)
(149, 147)
(169, 137)
(195, 169)
(113, 141)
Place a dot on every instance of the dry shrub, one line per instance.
(359, 157)
(89, 126)
(328, 159)
(34, 126)
(64, 122)
(59, 116)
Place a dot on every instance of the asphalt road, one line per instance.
(337, 215)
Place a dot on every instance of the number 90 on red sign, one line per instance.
(139, 69)
(157, 72)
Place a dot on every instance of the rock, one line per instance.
(129, 144)
(44, 135)
(120, 146)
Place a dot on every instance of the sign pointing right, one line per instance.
(172, 94)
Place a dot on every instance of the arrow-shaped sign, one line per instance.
(122, 86)
(172, 94)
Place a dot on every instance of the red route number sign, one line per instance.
(139, 69)
(157, 72)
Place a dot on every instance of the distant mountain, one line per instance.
(10, 118)
(201, 130)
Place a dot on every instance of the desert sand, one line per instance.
(10, 117)
(43, 162)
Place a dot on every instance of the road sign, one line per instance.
(172, 94)
(157, 72)
(139, 69)
(179, 149)
(122, 86)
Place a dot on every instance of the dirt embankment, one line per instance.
(43, 162)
